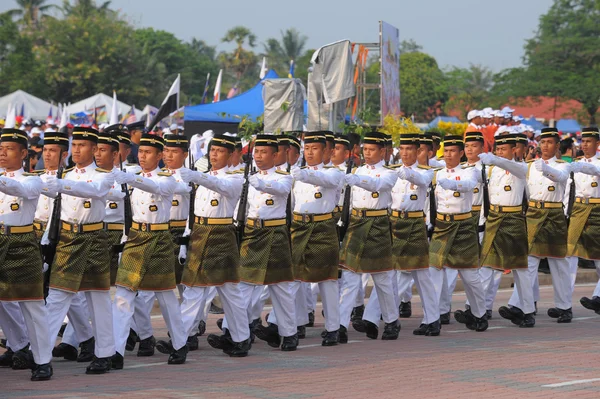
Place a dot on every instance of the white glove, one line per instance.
(297, 173)
(577, 167)
(256, 182)
(486, 158)
(45, 267)
(188, 175)
(539, 165)
(110, 176)
(402, 172)
(53, 185)
(182, 254)
(351, 179)
(448, 184)
(119, 261)
(123, 177)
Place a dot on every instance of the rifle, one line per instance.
(288, 207)
(486, 193)
(192, 214)
(49, 251)
(571, 197)
(432, 210)
(345, 219)
(241, 214)
(127, 211)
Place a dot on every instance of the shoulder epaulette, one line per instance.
(392, 167)
(354, 169)
(39, 172)
(330, 167)
(561, 161)
(424, 167)
(102, 170)
(67, 171)
(282, 172)
(303, 167)
(165, 174)
(578, 158)
(531, 160)
(164, 169)
(231, 172)
(30, 174)
(239, 171)
(3, 174)
(467, 166)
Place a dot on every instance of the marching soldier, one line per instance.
(585, 218)
(283, 143)
(21, 277)
(547, 226)
(213, 260)
(294, 151)
(81, 263)
(367, 246)
(315, 245)
(504, 245)
(148, 259)
(454, 243)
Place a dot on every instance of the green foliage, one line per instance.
(240, 63)
(289, 47)
(468, 88)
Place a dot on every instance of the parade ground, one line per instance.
(549, 361)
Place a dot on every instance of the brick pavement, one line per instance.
(504, 362)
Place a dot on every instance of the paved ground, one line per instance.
(548, 361)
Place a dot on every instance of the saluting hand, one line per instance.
(297, 173)
(123, 177)
(539, 165)
(187, 175)
(402, 172)
(53, 186)
(351, 179)
(486, 158)
(448, 184)
(577, 167)
(255, 182)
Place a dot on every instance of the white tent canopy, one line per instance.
(100, 100)
(35, 108)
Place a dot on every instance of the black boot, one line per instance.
(23, 359)
(514, 314)
(192, 343)
(421, 330)
(131, 340)
(562, 315)
(147, 346)
(201, 328)
(100, 365)
(433, 329)
(116, 361)
(359, 325)
(591, 304)
(343, 333)
(463, 316)
(290, 343)
(371, 329)
(222, 342)
(65, 351)
(528, 321)
(86, 354)
(268, 334)
(301, 330)
(331, 338)
(488, 314)
(178, 356)
(165, 347)
(42, 372)
(357, 313)
(405, 310)
(220, 324)
(240, 349)
(391, 331)
(311, 319)
(6, 358)
(479, 324)
(445, 318)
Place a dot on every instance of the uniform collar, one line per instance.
(91, 166)
(217, 172)
(473, 164)
(553, 159)
(343, 165)
(14, 173)
(283, 166)
(413, 166)
(267, 171)
(377, 165)
(454, 169)
(591, 159)
(51, 172)
(153, 173)
(315, 167)
(175, 171)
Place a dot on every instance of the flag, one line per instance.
(49, 117)
(11, 117)
(129, 117)
(64, 119)
(263, 68)
(232, 91)
(217, 92)
(292, 67)
(205, 88)
(169, 104)
(22, 114)
(114, 113)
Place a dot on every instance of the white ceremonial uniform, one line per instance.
(416, 183)
(448, 203)
(223, 188)
(508, 173)
(373, 178)
(587, 185)
(24, 190)
(81, 186)
(555, 175)
(157, 188)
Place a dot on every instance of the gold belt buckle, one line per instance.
(75, 228)
(306, 218)
(448, 218)
(538, 205)
(144, 227)
(201, 220)
(3, 229)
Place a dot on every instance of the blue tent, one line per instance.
(534, 123)
(568, 126)
(439, 119)
(248, 103)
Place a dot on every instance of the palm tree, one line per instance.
(240, 60)
(30, 11)
(239, 35)
(292, 44)
(86, 8)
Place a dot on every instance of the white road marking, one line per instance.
(315, 345)
(568, 383)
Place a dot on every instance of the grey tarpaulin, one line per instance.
(284, 104)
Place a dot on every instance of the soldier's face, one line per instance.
(472, 149)
(174, 157)
(452, 155)
(589, 146)
(105, 156)
(313, 153)
(340, 154)
(236, 156)
(327, 152)
(124, 151)
(506, 151)
(425, 153)
(293, 155)
(520, 150)
(12, 155)
(373, 153)
(219, 156)
(82, 152)
(408, 154)
(281, 155)
(264, 156)
(549, 147)
(51, 154)
(149, 157)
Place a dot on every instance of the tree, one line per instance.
(422, 85)
(468, 88)
(410, 46)
(280, 52)
(85, 8)
(562, 59)
(30, 11)
(240, 62)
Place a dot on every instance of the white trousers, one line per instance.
(426, 289)
(35, 316)
(490, 278)
(123, 309)
(78, 329)
(405, 284)
(471, 282)
(573, 266)
(450, 276)
(561, 281)
(312, 292)
(143, 302)
(13, 324)
(385, 293)
(234, 308)
(99, 308)
(258, 297)
(211, 293)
